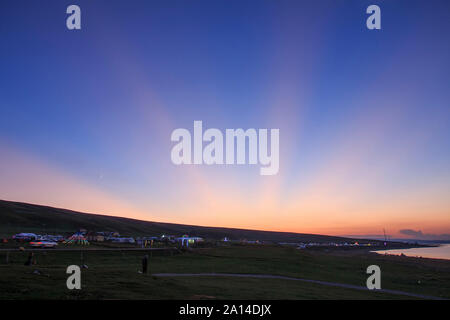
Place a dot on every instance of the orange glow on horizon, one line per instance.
(217, 204)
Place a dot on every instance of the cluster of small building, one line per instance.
(84, 237)
(303, 245)
(107, 236)
(185, 240)
(116, 238)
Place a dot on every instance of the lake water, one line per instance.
(441, 252)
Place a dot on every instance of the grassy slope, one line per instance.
(113, 275)
(21, 217)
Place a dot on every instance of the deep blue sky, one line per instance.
(358, 110)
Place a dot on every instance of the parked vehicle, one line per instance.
(123, 240)
(25, 236)
(43, 244)
(50, 238)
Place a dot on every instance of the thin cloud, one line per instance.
(425, 236)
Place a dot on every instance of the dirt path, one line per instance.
(269, 276)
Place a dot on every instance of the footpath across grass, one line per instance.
(115, 274)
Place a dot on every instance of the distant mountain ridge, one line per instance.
(24, 217)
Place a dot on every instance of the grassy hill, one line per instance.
(23, 217)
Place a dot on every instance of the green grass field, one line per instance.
(114, 274)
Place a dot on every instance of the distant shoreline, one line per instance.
(438, 251)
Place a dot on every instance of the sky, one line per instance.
(364, 115)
